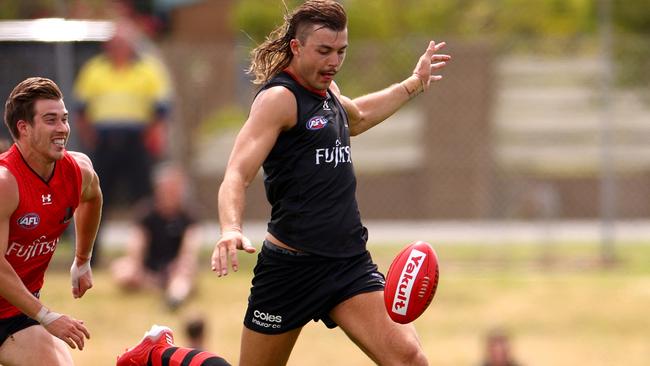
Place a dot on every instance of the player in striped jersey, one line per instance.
(157, 348)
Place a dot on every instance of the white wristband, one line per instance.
(45, 316)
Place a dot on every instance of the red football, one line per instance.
(411, 282)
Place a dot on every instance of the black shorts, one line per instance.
(290, 289)
(14, 324)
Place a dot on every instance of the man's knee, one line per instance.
(415, 357)
(409, 354)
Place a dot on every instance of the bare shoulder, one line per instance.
(82, 159)
(7, 179)
(274, 96)
(347, 102)
(8, 191)
(276, 106)
(85, 165)
(334, 88)
(353, 112)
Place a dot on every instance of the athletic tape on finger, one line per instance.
(245, 241)
(77, 271)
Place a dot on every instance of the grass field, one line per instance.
(561, 309)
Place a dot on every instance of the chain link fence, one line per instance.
(511, 133)
(519, 131)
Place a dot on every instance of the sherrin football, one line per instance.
(411, 282)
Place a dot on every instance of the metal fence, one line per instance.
(508, 134)
(519, 134)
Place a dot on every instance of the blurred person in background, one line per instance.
(497, 349)
(5, 141)
(163, 247)
(299, 130)
(4, 144)
(43, 188)
(123, 104)
(195, 332)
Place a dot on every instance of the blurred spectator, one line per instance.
(163, 247)
(123, 97)
(4, 144)
(497, 349)
(195, 332)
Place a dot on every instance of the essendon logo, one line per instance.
(316, 123)
(29, 221)
(406, 279)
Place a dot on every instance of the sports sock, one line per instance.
(180, 356)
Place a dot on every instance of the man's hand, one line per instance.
(71, 331)
(81, 277)
(423, 75)
(227, 247)
(430, 61)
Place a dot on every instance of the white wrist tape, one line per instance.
(245, 240)
(45, 316)
(77, 271)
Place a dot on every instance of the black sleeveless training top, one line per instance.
(309, 178)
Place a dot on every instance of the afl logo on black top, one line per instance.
(316, 123)
(29, 221)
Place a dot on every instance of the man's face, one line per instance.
(119, 49)
(49, 133)
(321, 55)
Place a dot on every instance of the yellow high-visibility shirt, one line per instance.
(128, 96)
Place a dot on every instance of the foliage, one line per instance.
(632, 21)
(632, 16)
(16, 9)
(30, 9)
(540, 26)
(385, 19)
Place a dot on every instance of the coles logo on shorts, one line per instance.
(267, 320)
(316, 123)
(29, 221)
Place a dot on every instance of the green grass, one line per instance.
(560, 305)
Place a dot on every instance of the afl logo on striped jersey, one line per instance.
(29, 221)
(316, 123)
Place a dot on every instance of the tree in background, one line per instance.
(544, 26)
(632, 21)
